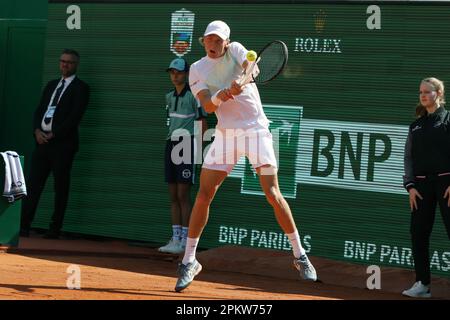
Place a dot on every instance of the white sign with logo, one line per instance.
(182, 29)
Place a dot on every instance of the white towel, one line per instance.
(15, 187)
(8, 177)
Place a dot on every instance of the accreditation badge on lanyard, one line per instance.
(50, 112)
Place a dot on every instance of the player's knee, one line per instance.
(205, 196)
(274, 197)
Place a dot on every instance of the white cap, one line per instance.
(219, 28)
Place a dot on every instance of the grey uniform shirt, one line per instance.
(183, 109)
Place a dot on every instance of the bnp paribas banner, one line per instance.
(342, 155)
(339, 115)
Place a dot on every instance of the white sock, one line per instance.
(297, 248)
(176, 232)
(191, 248)
(184, 234)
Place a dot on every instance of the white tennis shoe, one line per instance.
(305, 267)
(418, 290)
(174, 246)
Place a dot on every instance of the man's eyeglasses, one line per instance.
(67, 61)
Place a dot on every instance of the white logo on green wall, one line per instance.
(351, 155)
(182, 29)
(392, 255)
(259, 238)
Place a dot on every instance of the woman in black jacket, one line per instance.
(427, 177)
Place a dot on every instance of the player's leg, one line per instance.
(269, 184)
(218, 163)
(260, 152)
(262, 156)
(214, 172)
(210, 181)
(283, 214)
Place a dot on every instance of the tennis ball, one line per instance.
(251, 56)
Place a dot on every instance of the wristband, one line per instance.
(215, 100)
(409, 186)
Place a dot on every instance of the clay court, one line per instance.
(116, 270)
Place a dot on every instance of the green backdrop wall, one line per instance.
(341, 112)
(22, 40)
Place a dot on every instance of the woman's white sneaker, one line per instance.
(418, 290)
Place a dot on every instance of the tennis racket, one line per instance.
(269, 64)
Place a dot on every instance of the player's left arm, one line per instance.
(239, 53)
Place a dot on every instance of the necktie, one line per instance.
(55, 99)
(58, 93)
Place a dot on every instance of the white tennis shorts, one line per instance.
(230, 145)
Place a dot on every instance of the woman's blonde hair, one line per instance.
(437, 85)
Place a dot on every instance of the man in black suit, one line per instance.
(56, 122)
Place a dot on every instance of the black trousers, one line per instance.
(45, 159)
(422, 220)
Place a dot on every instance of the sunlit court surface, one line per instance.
(83, 269)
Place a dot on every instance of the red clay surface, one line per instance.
(38, 270)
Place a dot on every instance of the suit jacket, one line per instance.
(68, 113)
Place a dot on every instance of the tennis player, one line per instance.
(242, 129)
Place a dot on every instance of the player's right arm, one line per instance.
(239, 53)
(211, 104)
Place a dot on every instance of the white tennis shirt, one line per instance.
(245, 110)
